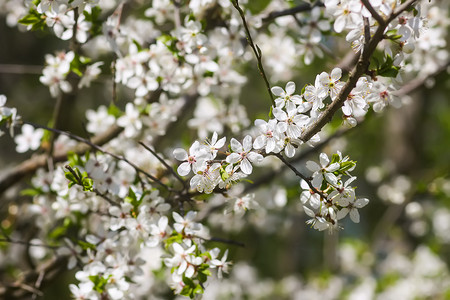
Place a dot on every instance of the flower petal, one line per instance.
(290, 88)
(277, 91)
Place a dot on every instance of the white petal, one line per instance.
(246, 167)
(255, 157)
(317, 180)
(184, 169)
(177, 218)
(339, 24)
(279, 114)
(270, 145)
(236, 146)
(260, 142)
(342, 213)
(247, 143)
(233, 158)
(336, 74)
(309, 212)
(289, 151)
(324, 161)
(277, 91)
(354, 215)
(312, 166)
(180, 154)
(331, 178)
(314, 201)
(290, 88)
(361, 202)
(189, 271)
(219, 144)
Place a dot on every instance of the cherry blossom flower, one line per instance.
(215, 144)
(187, 223)
(315, 94)
(292, 123)
(99, 121)
(352, 208)
(269, 137)
(243, 155)
(206, 178)
(222, 265)
(29, 139)
(197, 156)
(331, 82)
(323, 171)
(130, 121)
(285, 98)
(309, 196)
(91, 73)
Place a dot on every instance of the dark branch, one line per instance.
(290, 11)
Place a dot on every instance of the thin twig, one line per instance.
(297, 172)
(225, 241)
(98, 148)
(169, 168)
(29, 244)
(96, 191)
(20, 69)
(304, 154)
(255, 49)
(290, 11)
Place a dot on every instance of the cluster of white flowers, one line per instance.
(209, 172)
(115, 216)
(332, 198)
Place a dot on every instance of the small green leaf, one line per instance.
(32, 192)
(85, 245)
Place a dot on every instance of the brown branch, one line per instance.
(299, 174)
(30, 166)
(290, 11)
(373, 12)
(20, 69)
(99, 148)
(22, 288)
(169, 168)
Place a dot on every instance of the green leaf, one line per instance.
(387, 69)
(32, 192)
(256, 7)
(223, 174)
(389, 72)
(58, 232)
(85, 245)
(69, 176)
(198, 289)
(186, 291)
(94, 18)
(99, 282)
(34, 19)
(347, 165)
(176, 238)
(335, 158)
(88, 184)
(113, 110)
(76, 65)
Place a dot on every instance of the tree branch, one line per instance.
(291, 11)
(29, 166)
(358, 71)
